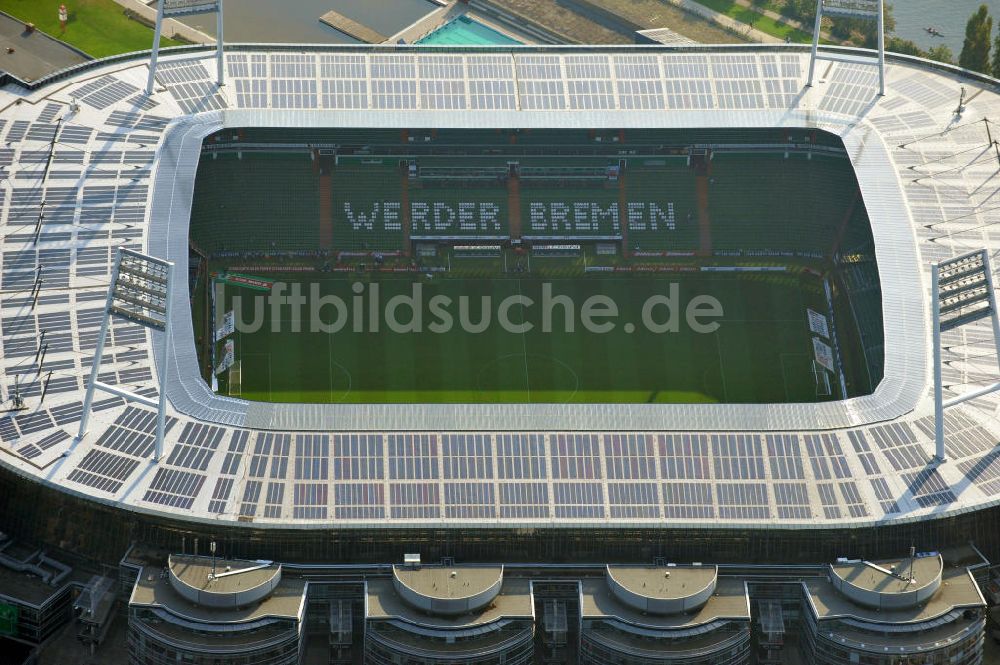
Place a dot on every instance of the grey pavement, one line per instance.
(35, 54)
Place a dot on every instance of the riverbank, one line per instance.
(99, 28)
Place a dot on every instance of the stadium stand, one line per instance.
(273, 199)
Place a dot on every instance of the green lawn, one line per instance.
(763, 23)
(760, 353)
(99, 28)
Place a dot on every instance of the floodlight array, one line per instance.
(961, 293)
(140, 291)
(964, 291)
(851, 8)
(189, 7)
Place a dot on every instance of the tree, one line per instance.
(942, 54)
(996, 55)
(904, 46)
(978, 36)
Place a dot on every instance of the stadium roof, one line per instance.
(928, 179)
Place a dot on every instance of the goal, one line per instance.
(235, 380)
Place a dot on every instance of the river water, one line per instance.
(298, 20)
(948, 16)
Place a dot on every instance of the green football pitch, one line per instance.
(761, 351)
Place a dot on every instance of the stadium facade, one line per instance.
(92, 165)
(926, 608)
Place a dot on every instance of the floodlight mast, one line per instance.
(170, 8)
(962, 293)
(140, 293)
(863, 9)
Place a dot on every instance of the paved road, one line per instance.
(34, 55)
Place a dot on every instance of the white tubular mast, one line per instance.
(171, 8)
(873, 10)
(139, 293)
(962, 293)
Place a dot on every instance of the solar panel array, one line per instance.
(95, 199)
(528, 81)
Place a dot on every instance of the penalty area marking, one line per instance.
(525, 356)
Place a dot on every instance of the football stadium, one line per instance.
(505, 354)
(497, 214)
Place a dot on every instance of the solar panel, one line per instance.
(17, 130)
(792, 501)
(312, 454)
(467, 456)
(111, 92)
(852, 498)
(394, 94)
(684, 456)
(828, 497)
(357, 457)
(341, 66)
(899, 444)
(53, 439)
(143, 102)
(220, 495)
(185, 71)
(359, 501)
(273, 500)
(442, 95)
(174, 488)
(8, 431)
(196, 447)
(293, 94)
(688, 501)
(491, 84)
(270, 449)
(103, 471)
(984, 473)
(49, 112)
(248, 65)
(743, 501)
(127, 441)
(964, 437)
(525, 500)
(234, 454)
(521, 456)
(42, 132)
(629, 456)
(851, 87)
(126, 119)
(339, 94)
(251, 495)
(413, 456)
(576, 456)
(737, 456)
(633, 500)
(928, 488)
(29, 452)
(65, 413)
(198, 96)
(310, 501)
(414, 501)
(578, 500)
(784, 456)
(469, 501)
(826, 456)
(252, 93)
(30, 423)
(863, 452)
